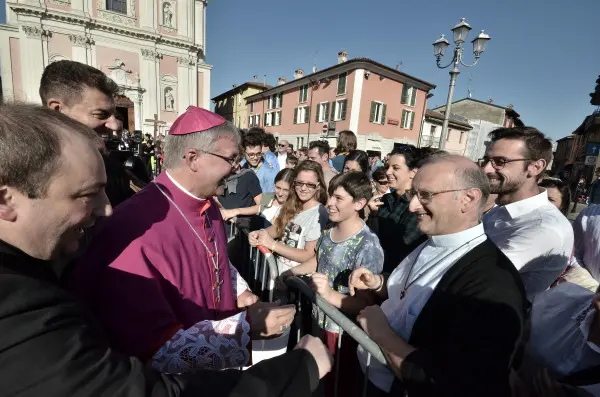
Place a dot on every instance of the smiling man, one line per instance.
(454, 308)
(530, 230)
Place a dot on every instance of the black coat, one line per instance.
(51, 346)
(467, 332)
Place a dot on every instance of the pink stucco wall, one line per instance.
(168, 65)
(454, 143)
(322, 93)
(389, 92)
(59, 44)
(15, 59)
(106, 57)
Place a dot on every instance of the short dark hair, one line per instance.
(361, 157)
(252, 138)
(414, 156)
(379, 173)
(563, 188)
(322, 146)
(269, 141)
(355, 183)
(292, 159)
(66, 81)
(31, 140)
(537, 145)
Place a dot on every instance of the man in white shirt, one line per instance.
(282, 152)
(454, 308)
(530, 230)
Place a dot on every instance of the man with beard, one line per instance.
(87, 95)
(530, 230)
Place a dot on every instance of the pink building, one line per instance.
(383, 106)
(457, 137)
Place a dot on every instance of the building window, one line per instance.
(462, 136)
(408, 119)
(301, 115)
(303, 94)
(117, 6)
(279, 100)
(322, 112)
(378, 110)
(251, 107)
(277, 116)
(342, 84)
(239, 99)
(339, 110)
(268, 119)
(433, 128)
(409, 95)
(256, 120)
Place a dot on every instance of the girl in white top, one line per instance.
(293, 236)
(283, 183)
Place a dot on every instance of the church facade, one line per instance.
(154, 51)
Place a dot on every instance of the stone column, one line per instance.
(34, 57)
(79, 44)
(183, 83)
(148, 74)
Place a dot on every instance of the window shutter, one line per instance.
(249, 121)
(344, 106)
(300, 95)
(306, 114)
(402, 123)
(412, 120)
(326, 118)
(342, 84)
(383, 111)
(279, 118)
(296, 116)
(372, 116)
(333, 109)
(318, 113)
(404, 100)
(413, 99)
(258, 120)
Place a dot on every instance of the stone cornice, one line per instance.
(96, 24)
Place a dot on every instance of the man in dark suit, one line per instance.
(453, 310)
(52, 181)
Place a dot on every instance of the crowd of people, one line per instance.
(467, 274)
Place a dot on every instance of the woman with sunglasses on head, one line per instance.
(294, 234)
(559, 193)
(389, 216)
(380, 181)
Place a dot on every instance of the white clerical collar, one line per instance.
(527, 205)
(182, 188)
(455, 239)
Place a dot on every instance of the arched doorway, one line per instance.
(126, 112)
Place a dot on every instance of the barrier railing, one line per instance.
(260, 271)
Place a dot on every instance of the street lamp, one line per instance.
(460, 31)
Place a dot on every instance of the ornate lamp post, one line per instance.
(461, 32)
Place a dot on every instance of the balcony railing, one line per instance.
(429, 141)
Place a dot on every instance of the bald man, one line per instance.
(453, 309)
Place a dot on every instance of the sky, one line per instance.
(544, 56)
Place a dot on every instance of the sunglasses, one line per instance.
(310, 186)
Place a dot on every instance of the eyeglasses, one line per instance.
(282, 145)
(231, 160)
(253, 155)
(383, 182)
(425, 197)
(497, 162)
(310, 186)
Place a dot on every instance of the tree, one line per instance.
(596, 94)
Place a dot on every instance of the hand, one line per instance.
(320, 284)
(246, 299)
(362, 278)
(544, 386)
(375, 203)
(319, 352)
(228, 214)
(265, 239)
(270, 319)
(374, 322)
(253, 238)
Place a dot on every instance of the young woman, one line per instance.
(357, 160)
(345, 144)
(294, 234)
(559, 193)
(283, 183)
(380, 180)
(389, 216)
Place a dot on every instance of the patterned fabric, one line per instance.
(397, 230)
(337, 259)
(207, 345)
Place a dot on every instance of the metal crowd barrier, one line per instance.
(260, 271)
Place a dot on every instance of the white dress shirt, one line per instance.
(587, 240)
(535, 236)
(429, 262)
(560, 325)
(281, 159)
